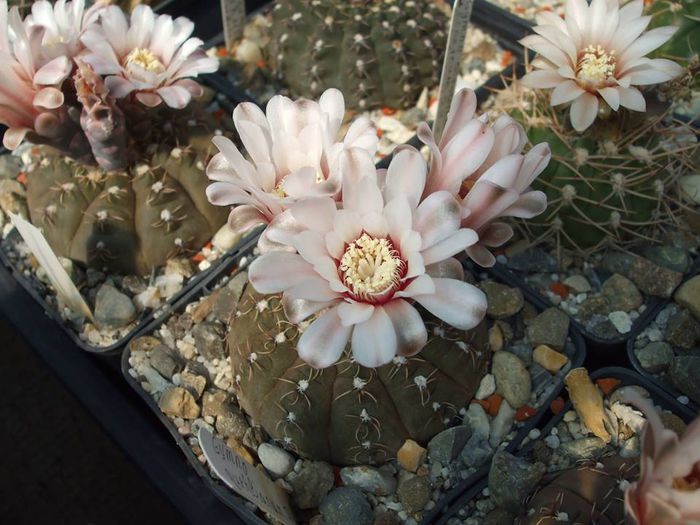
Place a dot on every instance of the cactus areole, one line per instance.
(377, 53)
(348, 414)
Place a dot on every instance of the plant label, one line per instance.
(461, 13)
(233, 18)
(245, 479)
(61, 281)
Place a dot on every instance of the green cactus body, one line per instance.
(613, 185)
(347, 414)
(126, 222)
(378, 53)
(587, 494)
(685, 15)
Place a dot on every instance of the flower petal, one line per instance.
(455, 302)
(374, 342)
(278, 271)
(584, 111)
(411, 334)
(455, 243)
(323, 342)
(354, 312)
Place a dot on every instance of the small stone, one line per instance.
(621, 294)
(670, 257)
(215, 403)
(311, 483)
(178, 402)
(655, 357)
(414, 493)
(113, 309)
(688, 295)
(502, 423)
(194, 383)
(486, 387)
(277, 461)
(346, 506)
(552, 441)
(499, 517)
(235, 445)
(369, 479)
(163, 361)
(503, 301)
(134, 284)
(682, 330)
(253, 437)
(512, 378)
(232, 422)
(685, 374)
(550, 328)
(593, 306)
(673, 422)
(225, 239)
(653, 279)
(209, 340)
(578, 283)
(478, 422)
(94, 277)
(549, 359)
(411, 455)
(617, 262)
(445, 446)
(523, 351)
(386, 517)
(621, 321)
(475, 453)
(512, 479)
(583, 448)
(495, 338)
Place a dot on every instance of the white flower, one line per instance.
(293, 152)
(597, 53)
(369, 262)
(151, 56)
(483, 166)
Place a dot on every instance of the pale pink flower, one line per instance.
(597, 53)
(151, 57)
(668, 490)
(483, 165)
(293, 151)
(30, 90)
(366, 265)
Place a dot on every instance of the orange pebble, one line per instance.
(607, 384)
(519, 9)
(222, 52)
(22, 178)
(380, 133)
(388, 111)
(557, 405)
(219, 114)
(198, 257)
(507, 57)
(524, 413)
(560, 289)
(261, 64)
(494, 401)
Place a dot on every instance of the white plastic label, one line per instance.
(245, 479)
(58, 276)
(233, 18)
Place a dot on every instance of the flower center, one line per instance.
(596, 66)
(144, 58)
(371, 267)
(689, 483)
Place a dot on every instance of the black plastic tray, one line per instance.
(607, 351)
(235, 502)
(222, 492)
(667, 386)
(628, 377)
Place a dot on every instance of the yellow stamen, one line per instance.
(371, 266)
(146, 59)
(596, 66)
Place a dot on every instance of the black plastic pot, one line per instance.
(235, 502)
(604, 352)
(628, 377)
(652, 378)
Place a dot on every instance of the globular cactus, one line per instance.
(684, 14)
(588, 493)
(378, 53)
(347, 414)
(126, 222)
(615, 184)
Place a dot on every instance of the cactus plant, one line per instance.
(614, 185)
(126, 222)
(377, 53)
(588, 493)
(348, 414)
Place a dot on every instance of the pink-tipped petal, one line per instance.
(323, 342)
(411, 334)
(457, 303)
(374, 342)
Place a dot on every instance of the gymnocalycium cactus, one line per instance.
(613, 177)
(347, 413)
(378, 53)
(121, 185)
